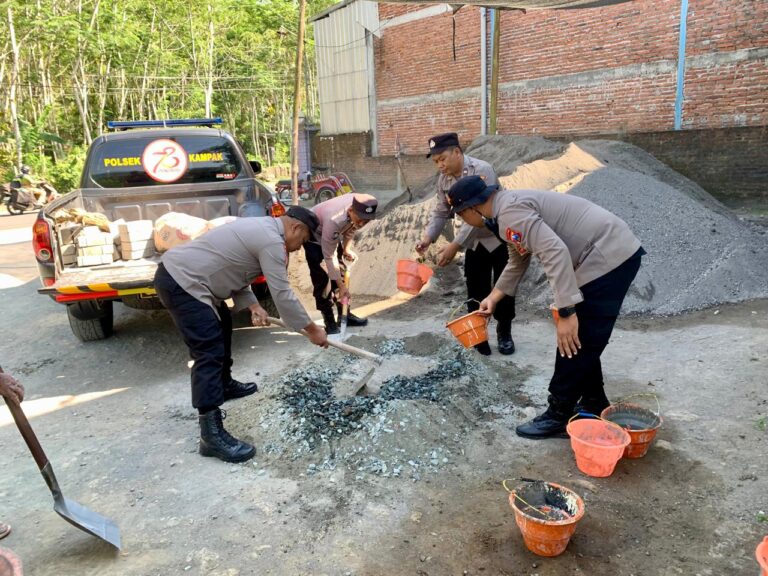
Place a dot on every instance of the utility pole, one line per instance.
(496, 25)
(297, 107)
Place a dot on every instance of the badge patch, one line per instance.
(516, 239)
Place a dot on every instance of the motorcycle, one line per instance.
(320, 187)
(18, 199)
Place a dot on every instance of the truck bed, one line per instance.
(120, 275)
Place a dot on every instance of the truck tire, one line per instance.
(91, 320)
(138, 303)
(265, 299)
(324, 193)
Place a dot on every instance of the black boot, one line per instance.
(352, 320)
(217, 442)
(331, 327)
(504, 338)
(236, 389)
(549, 424)
(483, 348)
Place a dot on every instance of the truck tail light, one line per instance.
(41, 240)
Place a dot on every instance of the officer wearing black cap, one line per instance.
(339, 218)
(485, 256)
(590, 257)
(193, 282)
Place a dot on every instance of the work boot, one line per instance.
(331, 327)
(236, 389)
(217, 442)
(551, 423)
(352, 320)
(483, 348)
(504, 337)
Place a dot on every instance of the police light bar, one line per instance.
(128, 124)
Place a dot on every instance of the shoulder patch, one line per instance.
(516, 239)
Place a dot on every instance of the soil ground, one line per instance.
(115, 420)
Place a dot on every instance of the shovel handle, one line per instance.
(340, 345)
(26, 431)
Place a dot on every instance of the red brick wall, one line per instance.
(574, 72)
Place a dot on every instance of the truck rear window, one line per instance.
(147, 161)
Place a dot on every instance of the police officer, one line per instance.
(485, 256)
(194, 280)
(590, 257)
(339, 218)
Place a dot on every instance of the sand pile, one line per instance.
(699, 253)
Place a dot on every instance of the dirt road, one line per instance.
(115, 419)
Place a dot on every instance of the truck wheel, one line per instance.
(324, 193)
(265, 299)
(147, 303)
(91, 319)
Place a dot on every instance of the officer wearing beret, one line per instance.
(485, 256)
(339, 218)
(590, 257)
(193, 282)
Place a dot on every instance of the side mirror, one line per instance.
(256, 166)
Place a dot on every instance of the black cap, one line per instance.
(469, 191)
(365, 206)
(442, 141)
(305, 216)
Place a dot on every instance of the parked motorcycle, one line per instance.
(18, 199)
(320, 187)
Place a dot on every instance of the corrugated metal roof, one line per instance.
(512, 4)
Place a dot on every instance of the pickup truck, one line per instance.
(141, 171)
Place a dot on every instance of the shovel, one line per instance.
(344, 305)
(77, 515)
(357, 384)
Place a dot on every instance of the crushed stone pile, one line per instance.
(699, 253)
(415, 425)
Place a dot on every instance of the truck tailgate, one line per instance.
(117, 279)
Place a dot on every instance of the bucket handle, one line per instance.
(645, 395)
(487, 318)
(547, 516)
(590, 415)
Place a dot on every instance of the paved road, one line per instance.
(17, 262)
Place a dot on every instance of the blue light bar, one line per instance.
(125, 125)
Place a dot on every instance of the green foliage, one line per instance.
(762, 424)
(65, 174)
(762, 516)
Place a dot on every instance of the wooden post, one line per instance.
(297, 107)
(495, 71)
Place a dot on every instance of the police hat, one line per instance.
(365, 206)
(469, 191)
(305, 216)
(442, 141)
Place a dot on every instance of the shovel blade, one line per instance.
(87, 520)
(78, 515)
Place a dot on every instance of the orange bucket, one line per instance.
(762, 556)
(546, 514)
(412, 275)
(598, 445)
(470, 329)
(640, 423)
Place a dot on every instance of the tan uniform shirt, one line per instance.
(575, 240)
(223, 262)
(335, 227)
(467, 236)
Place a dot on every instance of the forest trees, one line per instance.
(69, 66)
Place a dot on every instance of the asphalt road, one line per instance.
(17, 262)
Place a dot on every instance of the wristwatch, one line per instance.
(566, 311)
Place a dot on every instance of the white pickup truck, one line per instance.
(141, 171)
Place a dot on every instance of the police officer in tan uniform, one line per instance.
(590, 257)
(486, 255)
(193, 282)
(338, 220)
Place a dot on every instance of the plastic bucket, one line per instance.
(762, 556)
(598, 445)
(412, 275)
(640, 423)
(470, 329)
(546, 514)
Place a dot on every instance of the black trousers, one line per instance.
(322, 286)
(208, 338)
(582, 375)
(481, 270)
